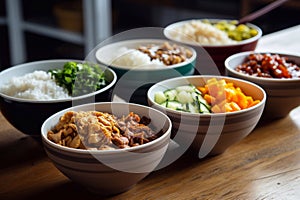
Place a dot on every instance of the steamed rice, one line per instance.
(133, 58)
(37, 85)
(202, 33)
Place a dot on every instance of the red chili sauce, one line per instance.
(269, 66)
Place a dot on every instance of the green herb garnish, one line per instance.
(79, 78)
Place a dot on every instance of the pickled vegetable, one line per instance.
(235, 31)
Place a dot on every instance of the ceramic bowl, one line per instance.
(133, 82)
(28, 115)
(109, 172)
(152, 71)
(212, 133)
(283, 94)
(210, 56)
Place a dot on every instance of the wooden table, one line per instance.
(265, 165)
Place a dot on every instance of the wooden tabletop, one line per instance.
(264, 165)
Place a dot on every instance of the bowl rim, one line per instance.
(179, 23)
(105, 152)
(141, 67)
(261, 103)
(23, 65)
(254, 78)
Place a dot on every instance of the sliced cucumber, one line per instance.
(204, 108)
(159, 97)
(183, 98)
(187, 88)
(173, 105)
(171, 94)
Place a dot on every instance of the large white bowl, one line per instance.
(213, 133)
(109, 172)
(283, 94)
(28, 115)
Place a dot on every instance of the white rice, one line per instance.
(202, 33)
(133, 58)
(37, 85)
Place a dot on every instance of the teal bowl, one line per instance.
(135, 80)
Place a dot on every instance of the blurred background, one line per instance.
(36, 30)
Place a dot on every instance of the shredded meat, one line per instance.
(98, 130)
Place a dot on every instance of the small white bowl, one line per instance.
(218, 53)
(210, 134)
(108, 172)
(283, 94)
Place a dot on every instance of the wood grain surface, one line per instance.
(265, 165)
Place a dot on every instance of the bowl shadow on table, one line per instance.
(67, 187)
(22, 150)
(63, 189)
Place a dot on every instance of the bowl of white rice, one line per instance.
(214, 38)
(149, 58)
(29, 94)
(140, 63)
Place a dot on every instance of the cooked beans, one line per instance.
(270, 66)
(98, 130)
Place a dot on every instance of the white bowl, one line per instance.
(283, 94)
(109, 172)
(213, 133)
(218, 53)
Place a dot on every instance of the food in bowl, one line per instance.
(73, 79)
(27, 115)
(110, 171)
(210, 133)
(269, 65)
(95, 130)
(185, 98)
(37, 85)
(214, 44)
(207, 32)
(134, 81)
(283, 93)
(162, 55)
(235, 31)
(79, 78)
(145, 54)
(216, 96)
